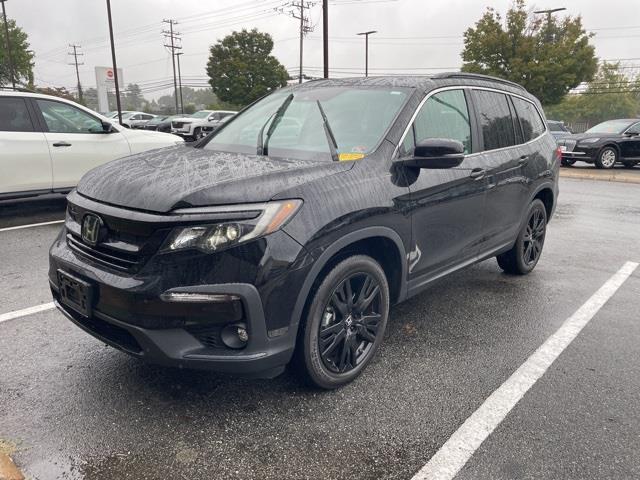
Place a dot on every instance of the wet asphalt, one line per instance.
(76, 409)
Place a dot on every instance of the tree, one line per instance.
(611, 94)
(132, 98)
(241, 68)
(21, 56)
(548, 58)
(61, 92)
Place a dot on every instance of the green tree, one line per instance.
(132, 98)
(242, 69)
(611, 94)
(548, 58)
(61, 92)
(21, 56)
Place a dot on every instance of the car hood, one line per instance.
(164, 139)
(181, 176)
(581, 136)
(187, 119)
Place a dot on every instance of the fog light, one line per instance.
(235, 335)
(196, 297)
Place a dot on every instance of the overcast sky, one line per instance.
(415, 36)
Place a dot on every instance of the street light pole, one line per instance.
(9, 57)
(113, 58)
(325, 36)
(549, 12)
(366, 50)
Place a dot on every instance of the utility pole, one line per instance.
(75, 62)
(549, 13)
(173, 38)
(325, 36)
(366, 50)
(298, 12)
(180, 83)
(115, 65)
(9, 57)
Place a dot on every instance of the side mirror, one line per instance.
(107, 127)
(436, 153)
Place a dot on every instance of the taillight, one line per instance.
(559, 154)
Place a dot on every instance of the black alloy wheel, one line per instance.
(346, 322)
(533, 238)
(525, 253)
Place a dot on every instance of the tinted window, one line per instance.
(495, 119)
(532, 124)
(14, 116)
(63, 118)
(444, 115)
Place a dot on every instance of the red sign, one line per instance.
(110, 73)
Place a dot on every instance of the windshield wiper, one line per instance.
(333, 146)
(263, 146)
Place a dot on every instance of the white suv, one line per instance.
(191, 126)
(47, 143)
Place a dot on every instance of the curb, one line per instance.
(8, 469)
(604, 178)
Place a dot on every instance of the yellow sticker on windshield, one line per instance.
(343, 157)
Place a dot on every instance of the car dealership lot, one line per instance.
(77, 409)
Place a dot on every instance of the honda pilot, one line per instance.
(286, 235)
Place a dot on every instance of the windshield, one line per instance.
(358, 117)
(201, 114)
(612, 126)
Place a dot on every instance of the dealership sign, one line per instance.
(105, 81)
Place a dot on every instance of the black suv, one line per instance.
(288, 233)
(605, 144)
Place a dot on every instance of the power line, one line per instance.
(298, 11)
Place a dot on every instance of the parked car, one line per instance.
(191, 127)
(137, 120)
(558, 129)
(605, 144)
(161, 123)
(220, 118)
(261, 246)
(47, 143)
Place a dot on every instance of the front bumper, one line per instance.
(581, 153)
(263, 357)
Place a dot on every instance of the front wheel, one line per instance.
(524, 255)
(345, 323)
(607, 158)
(198, 134)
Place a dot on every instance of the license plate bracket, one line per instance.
(75, 293)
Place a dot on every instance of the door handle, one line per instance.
(62, 144)
(523, 160)
(477, 173)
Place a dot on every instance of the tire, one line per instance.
(198, 134)
(339, 337)
(607, 158)
(525, 253)
(630, 164)
(567, 163)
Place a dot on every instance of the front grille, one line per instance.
(177, 124)
(570, 144)
(112, 258)
(125, 245)
(208, 335)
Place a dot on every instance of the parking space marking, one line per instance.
(18, 227)
(26, 311)
(457, 451)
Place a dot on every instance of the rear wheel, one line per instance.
(566, 162)
(630, 164)
(607, 158)
(524, 255)
(345, 323)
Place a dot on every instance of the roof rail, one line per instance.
(478, 76)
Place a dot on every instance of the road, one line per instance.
(73, 408)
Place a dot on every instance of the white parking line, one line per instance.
(18, 227)
(26, 311)
(457, 451)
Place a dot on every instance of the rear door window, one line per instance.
(532, 124)
(494, 117)
(14, 116)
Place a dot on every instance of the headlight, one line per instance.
(214, 237)
(590, 140)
